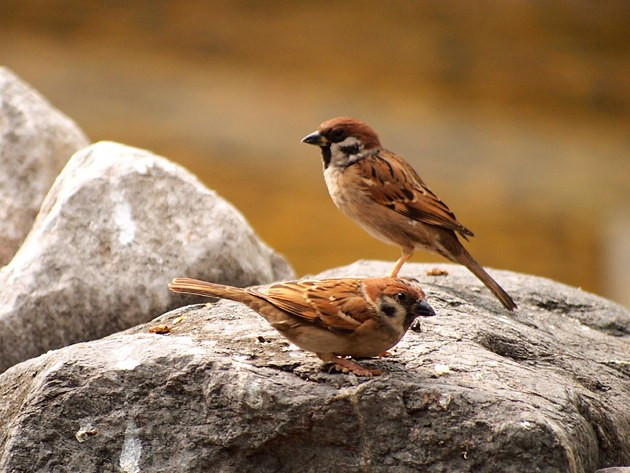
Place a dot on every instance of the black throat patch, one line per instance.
(409, 318)
(326, 156)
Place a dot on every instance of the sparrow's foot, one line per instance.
(385, 354)
(346, 365)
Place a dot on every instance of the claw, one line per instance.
(346, 365)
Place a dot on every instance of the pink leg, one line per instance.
(406, 254)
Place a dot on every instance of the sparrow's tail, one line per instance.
(272, 314)
(207, 289)
(467, 260)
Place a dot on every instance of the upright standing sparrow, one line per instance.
(385, 196)
(331, 317)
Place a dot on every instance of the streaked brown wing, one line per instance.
(335, 304)
(393, 183)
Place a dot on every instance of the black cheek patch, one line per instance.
(388, 310)
(350, 150)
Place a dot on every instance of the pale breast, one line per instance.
(345, 189)
(347, 192)
(318, 340)
(334, 179)
(359, 344)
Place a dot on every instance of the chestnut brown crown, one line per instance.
(336, 130)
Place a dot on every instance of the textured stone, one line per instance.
(36, 141)
(117, 225)
(474, 389)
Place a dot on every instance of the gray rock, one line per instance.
(474, 389)
(117, 225)
(36, 141)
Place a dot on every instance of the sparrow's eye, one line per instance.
(402, 297)
(338, 135)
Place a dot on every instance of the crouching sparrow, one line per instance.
(331, 317)
(385, 196)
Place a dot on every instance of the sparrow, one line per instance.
(333, 318)
(384, 195)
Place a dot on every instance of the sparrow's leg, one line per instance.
(345, 365)
(406, 254)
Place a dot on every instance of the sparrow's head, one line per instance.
(398, 301)
(344, 141)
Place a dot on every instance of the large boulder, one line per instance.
(214, 388)
(36, 141)
(117, 225)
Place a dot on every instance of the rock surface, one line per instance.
(117, 225)
(476, 389)
(36, 141)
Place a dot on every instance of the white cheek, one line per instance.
(397, 319)
(337, 156)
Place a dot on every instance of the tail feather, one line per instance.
(467, 260)
(277, 318)
(207, 289)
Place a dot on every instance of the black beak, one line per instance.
(423, 309)
(316, 139)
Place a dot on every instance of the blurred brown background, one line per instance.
(515, 112)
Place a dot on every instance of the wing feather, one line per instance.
(335, 304)
(393, 183)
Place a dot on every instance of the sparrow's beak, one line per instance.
(316, 139)
(423, 309)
